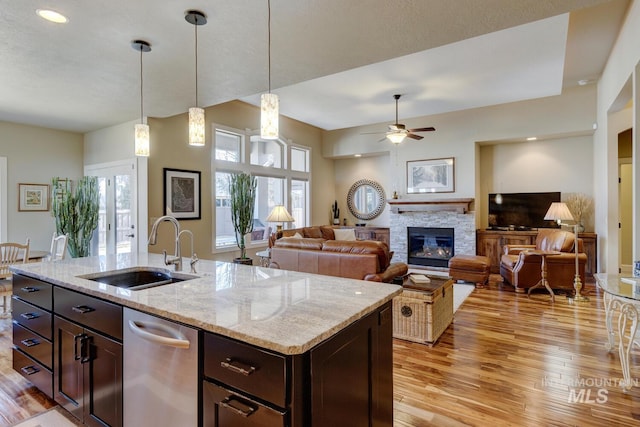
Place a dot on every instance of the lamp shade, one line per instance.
(558, 211)
(269, 106)
(141, 145)
(279, 214)
(396, 137)
(196, 126)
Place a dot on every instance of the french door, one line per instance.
(117, 231)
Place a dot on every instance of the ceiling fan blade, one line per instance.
(414, 136)
(429, 129)
(383, 139)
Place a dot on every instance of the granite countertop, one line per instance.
(284, 311)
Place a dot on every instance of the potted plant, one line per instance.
(76, 212)
(242, 188)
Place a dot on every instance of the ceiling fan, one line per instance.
(397, 131)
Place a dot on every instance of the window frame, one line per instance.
(244, 165)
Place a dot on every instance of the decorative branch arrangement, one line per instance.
(581, 207)
(76, 212)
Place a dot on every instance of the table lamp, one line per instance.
(559, 212)
(279, 214)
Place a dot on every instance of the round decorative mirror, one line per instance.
(366, 199)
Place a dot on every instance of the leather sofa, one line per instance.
(523, 270)
(318, 252)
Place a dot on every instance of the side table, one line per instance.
(543, 271)
(265, 257)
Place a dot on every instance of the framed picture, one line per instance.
(182, 193)
(431, 176)
(33, 197)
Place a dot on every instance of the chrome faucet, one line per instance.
(176, 260)
(194, 257)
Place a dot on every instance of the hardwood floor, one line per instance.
(505, 361)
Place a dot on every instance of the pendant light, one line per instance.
(269, 103)
(141, 147)
(196, 114)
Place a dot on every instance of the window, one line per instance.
(299, 159)
(267, 153)
(282, 178)
(227, 146)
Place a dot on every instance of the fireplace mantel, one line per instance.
(436, 205)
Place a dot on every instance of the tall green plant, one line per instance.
(242, 188)
(76, 213)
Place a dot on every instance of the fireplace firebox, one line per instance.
(429, 246)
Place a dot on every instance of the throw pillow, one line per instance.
(295, 236)
(312, 232)
(345, 234)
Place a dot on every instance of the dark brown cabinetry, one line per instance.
(32, 331)
(490, 243)
(347, 378)
(87, 364)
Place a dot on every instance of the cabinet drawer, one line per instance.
(34, 291)
(222, 407)
(33, 344)
(34, 372)
(89, 311)
(247, 368)
(32, 317)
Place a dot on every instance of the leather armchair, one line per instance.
(523, 270)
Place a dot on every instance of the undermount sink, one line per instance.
(136, 279)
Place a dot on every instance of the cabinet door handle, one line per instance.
(82, 309)
(29, 316)
(30, 370)
(78, 339)
(242, 368)
(29, 289)
(30, 342)
(241, 408)
(85, 349)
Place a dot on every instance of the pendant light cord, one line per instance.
(269, 39)
(141, 85)
(196, 30)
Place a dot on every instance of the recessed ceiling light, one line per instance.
(52, 16)
(357, 155)
(531, 138)
(583, 82)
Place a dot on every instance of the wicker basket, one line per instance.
(422, 316)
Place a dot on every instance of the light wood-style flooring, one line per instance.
(506, 360)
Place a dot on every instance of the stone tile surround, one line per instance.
(463, 224)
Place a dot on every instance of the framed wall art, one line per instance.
(431, 176)
(182, 193)
(33, 197)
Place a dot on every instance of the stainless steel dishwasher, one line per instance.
(160, 370)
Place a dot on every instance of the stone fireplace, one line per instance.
(452, 214)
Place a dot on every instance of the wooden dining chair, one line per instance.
(10, 253)
(58, 249)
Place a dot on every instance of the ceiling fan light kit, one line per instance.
(398, 132)
(196, 114)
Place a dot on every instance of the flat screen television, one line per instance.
(521, 211)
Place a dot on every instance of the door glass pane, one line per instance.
(124, 231)
(102, 216)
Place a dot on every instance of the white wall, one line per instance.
(36, 155)
(561, 164)
(109, 144)
(614, 88)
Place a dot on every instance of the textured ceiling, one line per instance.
(335, 63)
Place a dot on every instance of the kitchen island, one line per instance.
(317, 333)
